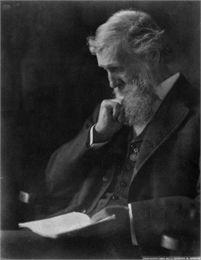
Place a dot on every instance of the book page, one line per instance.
(52, 227)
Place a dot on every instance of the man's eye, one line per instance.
(120, 70)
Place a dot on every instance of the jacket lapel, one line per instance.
(166, 120)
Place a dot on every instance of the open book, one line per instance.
(63, 224)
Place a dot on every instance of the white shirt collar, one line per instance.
(166, 85)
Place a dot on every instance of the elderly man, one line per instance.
(137, 156)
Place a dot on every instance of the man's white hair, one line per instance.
(134, 31)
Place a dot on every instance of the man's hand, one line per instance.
(121, 224)
(108, 121)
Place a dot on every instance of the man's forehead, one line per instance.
(111, 56)
(106, 60)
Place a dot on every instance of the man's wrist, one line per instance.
(92, 143)
(99, 137)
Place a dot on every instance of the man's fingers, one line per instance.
(118, 100)
(121, 117)
(98, 216)
(116, 111)
(108, 123)
(116, 104)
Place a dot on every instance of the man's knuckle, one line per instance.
(104, 102)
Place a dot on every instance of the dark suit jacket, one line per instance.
(164, 189)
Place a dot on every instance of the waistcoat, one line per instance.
(117, 192)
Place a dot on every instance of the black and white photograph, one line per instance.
(100, 129)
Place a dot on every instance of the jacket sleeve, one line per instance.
(173, 216)
(67, 165)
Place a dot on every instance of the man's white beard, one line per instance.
(138, 107)
(139, 97)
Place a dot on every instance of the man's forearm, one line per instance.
(173, 215)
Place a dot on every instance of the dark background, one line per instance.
(51, 82)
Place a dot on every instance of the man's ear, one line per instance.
(153, 57)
